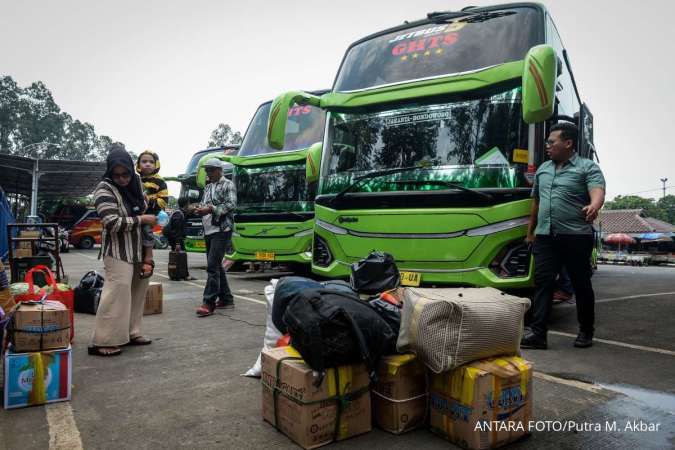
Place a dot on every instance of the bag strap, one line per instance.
(49, 277)
(315, 336)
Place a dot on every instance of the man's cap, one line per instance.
(214, 162)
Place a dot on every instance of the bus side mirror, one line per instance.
(539, 76)
(313, 162)
(276, 124)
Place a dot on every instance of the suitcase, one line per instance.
(178, 265)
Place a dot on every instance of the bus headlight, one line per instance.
(330, 227)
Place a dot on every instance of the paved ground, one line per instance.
(185, 389)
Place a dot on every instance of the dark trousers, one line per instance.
(216, 283)
(550, 254)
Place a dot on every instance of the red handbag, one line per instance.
(65, 297)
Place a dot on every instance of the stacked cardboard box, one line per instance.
(312, 411)
(36, 327)
(153, 299)
(37, 364)
(37, 378)
(483, 404)
(400, 394)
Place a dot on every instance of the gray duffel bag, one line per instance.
(447, 328)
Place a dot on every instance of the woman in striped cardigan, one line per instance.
(120, 204)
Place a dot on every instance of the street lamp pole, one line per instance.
(663, 180)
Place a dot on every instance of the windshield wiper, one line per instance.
(448, 185)
(271, 209)
(368, 176)
(446, 17)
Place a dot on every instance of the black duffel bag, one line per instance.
(285, 291)
(87, 294)
(334, 327)
(375, 273)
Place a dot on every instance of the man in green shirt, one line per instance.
(568, 192)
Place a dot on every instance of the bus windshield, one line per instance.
(275, 188)
(475, 143)
(304, 128)
(464, 44)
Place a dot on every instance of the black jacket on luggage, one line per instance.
(334, 327)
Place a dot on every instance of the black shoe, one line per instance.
(534, 341)
(224, 305)
(583, 340)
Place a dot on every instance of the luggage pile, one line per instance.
(37, 353)
(405, 357)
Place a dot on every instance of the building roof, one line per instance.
(59, 178)
(630, 221)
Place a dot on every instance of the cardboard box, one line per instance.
(36, 327)
(400, 394)
(30, 234)
(6, 300)
(484, 404)
(153, 299)
(307, 413)
(23, 252)
(23, 385)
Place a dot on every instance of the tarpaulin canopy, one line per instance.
(655, 237)
(48, 178)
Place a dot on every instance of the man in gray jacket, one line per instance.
(217, 208)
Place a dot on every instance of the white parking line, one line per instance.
(574, 383)
(63, 432)
(201, 286)
(621, 344)
(629, 297)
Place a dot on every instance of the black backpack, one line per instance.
(334, 327)
(168, 231)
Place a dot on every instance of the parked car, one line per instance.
(86, 231)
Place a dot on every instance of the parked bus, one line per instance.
(194, 241)
(434, 132)
(274, 220)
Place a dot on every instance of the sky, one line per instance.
(163, 74)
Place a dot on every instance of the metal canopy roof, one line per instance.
(57, 178)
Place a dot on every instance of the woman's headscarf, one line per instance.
(132, 192)
(154, 156)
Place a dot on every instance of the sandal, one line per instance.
(139, 340)
(144, 274)
(99, 351)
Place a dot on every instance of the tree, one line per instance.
(31, 115)
(223, 135)
(667, 206)
(634, 202)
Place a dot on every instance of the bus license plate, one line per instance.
(200, 244)
(264, 256)
(411, 278)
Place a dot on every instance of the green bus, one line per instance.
(434, 131)
(194, 241)
(274, 219)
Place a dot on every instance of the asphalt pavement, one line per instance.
(185, 390)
